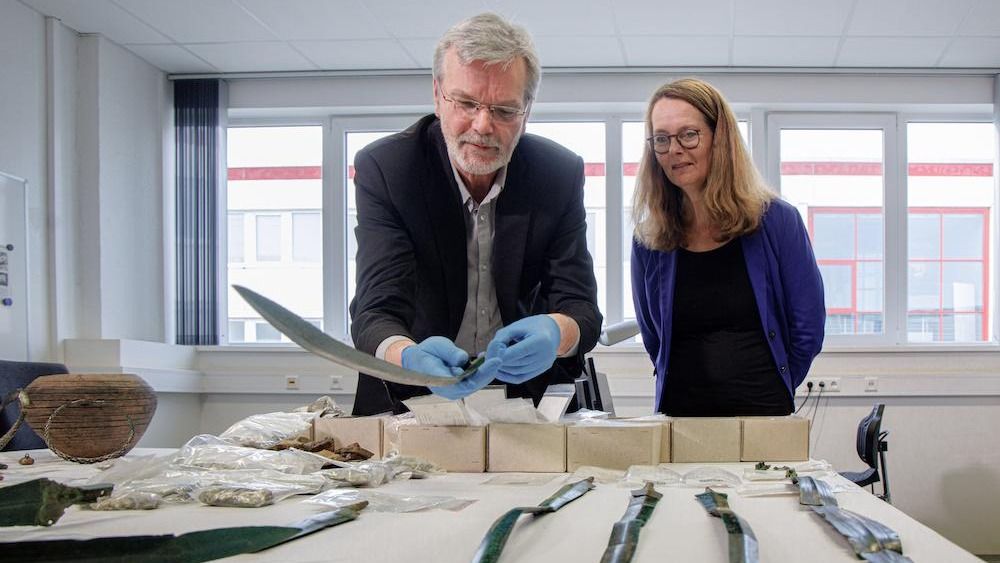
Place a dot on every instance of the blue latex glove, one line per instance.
(439, 356)
(525, 348)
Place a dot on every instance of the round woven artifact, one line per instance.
(92, 416)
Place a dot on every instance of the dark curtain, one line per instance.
(198, 125)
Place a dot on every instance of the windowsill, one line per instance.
(637, 349)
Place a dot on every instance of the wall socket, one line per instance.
(871, 385)
(336, 383)
(291, 382)
(827, 384)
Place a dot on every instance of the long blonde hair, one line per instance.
(735, 194)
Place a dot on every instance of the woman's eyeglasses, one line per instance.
(688, 138)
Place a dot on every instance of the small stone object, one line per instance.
(236, 497)
(26, 460)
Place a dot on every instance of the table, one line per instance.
(679, 530)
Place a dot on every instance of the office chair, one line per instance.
(14, 376)
(871, 449)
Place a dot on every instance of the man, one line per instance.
(472, 236)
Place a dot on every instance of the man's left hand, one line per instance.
(525, 348)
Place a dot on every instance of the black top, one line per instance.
(720, 364)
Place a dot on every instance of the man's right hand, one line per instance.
(439, 356)
(435, 356)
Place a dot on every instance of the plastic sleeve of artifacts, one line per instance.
(235, 497)
(133, 500)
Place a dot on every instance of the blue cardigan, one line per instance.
(786, 284)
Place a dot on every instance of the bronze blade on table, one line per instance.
(306, 335)
(742, 541)
(41, 502)
(496, 538)
(625, 533)
(204, 545)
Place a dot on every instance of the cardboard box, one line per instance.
(539, 448)
(665, 443)
(365, 430)
(454, 448)
(614, 446)
(780, 438)
(699, 440)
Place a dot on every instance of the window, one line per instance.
(268, 238)
(236, 239)
(274, 205)
(832, 170)
(307, 237)
(950, 190)
(905, 258)
(587, 140)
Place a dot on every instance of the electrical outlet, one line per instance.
(826, 384)
(871, 384)
(336, 383)
(291, 382)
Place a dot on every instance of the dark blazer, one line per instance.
(411, 261)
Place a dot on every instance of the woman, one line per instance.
(727, 292)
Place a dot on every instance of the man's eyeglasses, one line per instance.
(470, 108)
(688, 138)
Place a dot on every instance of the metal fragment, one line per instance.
(41, 502)
(625, 533)
(306, 335)
(26, 460)
(193, 547)
(742, 541)
(871, 540)
(496, 538)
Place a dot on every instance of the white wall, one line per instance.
(22, 149)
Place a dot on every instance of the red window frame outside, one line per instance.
(984, 212)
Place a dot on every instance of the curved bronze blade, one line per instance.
(742, 541)
(305, 334)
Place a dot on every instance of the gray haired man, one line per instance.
(472, 235)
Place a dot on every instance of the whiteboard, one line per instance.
(13, 268)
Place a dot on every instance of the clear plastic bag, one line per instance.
(766, 489)
(234, 497)
(388, 502)
(711, 477)
(209, 452)
(323, 406)
(267, 430)
(129, 500)
(638, 475)
(514, 411)
(600, 474)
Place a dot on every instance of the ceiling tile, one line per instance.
(558, 17)
(422, 50)
(99, 16)
(785, 51)
(251, 57)
(199, 21)
(646, 50)
(890, 52)
(316, 19)
(579, 51)
(791, 17)
(427, 18)
(375, 54)
(656, 17)
(908, 17)
(171, 58)
(984, 19)
(973, 52)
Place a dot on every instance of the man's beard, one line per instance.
(474, 165)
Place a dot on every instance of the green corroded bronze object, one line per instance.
(306, 335)
(870, 540)
(41, 502)
(742, 541)
(625, 533)
(192, 547)
(492, 545)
